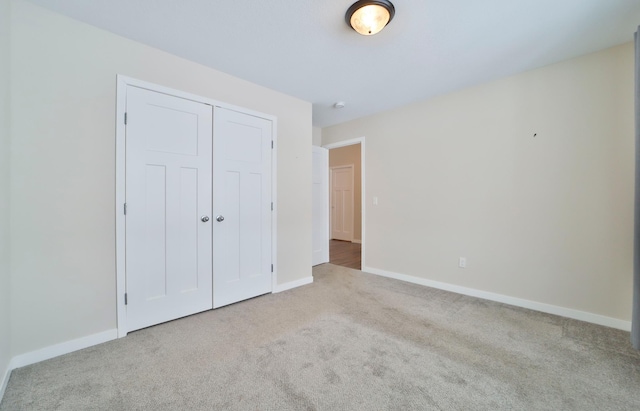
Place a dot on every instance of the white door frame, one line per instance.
(353, 202)
(361, 141)
(121, 102)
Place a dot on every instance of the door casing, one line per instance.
(122, 82)
(363, 196)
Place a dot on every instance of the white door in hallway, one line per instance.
(168, 202)
(342, 203)
(242, 206)
(320, 206)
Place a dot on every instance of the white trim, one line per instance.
(129, 81)
(344, 143)
(121, 108)
(66, 347)
(293, 284)
(52, 351)
(5, 381)
(363, 188)
(518, 302)
(274, 199)
(356, 241)
(122, 82)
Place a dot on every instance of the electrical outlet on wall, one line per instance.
(462, 262)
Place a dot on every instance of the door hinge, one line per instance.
(125, 208)
(125, 299)
(271, 143)
(271, 267)
(125, 118)
(271, 206)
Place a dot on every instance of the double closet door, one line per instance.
(198, 207)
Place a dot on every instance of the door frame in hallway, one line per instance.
(351, 142)
(122, 82)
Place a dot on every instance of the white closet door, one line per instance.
(320, 206)
(168, 196)
(242, 206)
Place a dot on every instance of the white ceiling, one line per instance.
(305, 49)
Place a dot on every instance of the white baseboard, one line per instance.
(46, 353)
(518, 302)
(292, 284)
(356, 241)
(5, 380)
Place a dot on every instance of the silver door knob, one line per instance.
(204, 218)
(220, 218)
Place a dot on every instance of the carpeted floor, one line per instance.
(349, 341)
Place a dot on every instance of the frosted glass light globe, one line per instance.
(369, 20)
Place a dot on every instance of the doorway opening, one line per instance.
(346, 205)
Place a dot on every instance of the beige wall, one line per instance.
(317, 136)
(344, 156)
(63, 169)
(5, 277)
(547, 219)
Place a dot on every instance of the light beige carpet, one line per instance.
(350, 341)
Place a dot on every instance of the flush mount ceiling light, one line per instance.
(368, 17)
